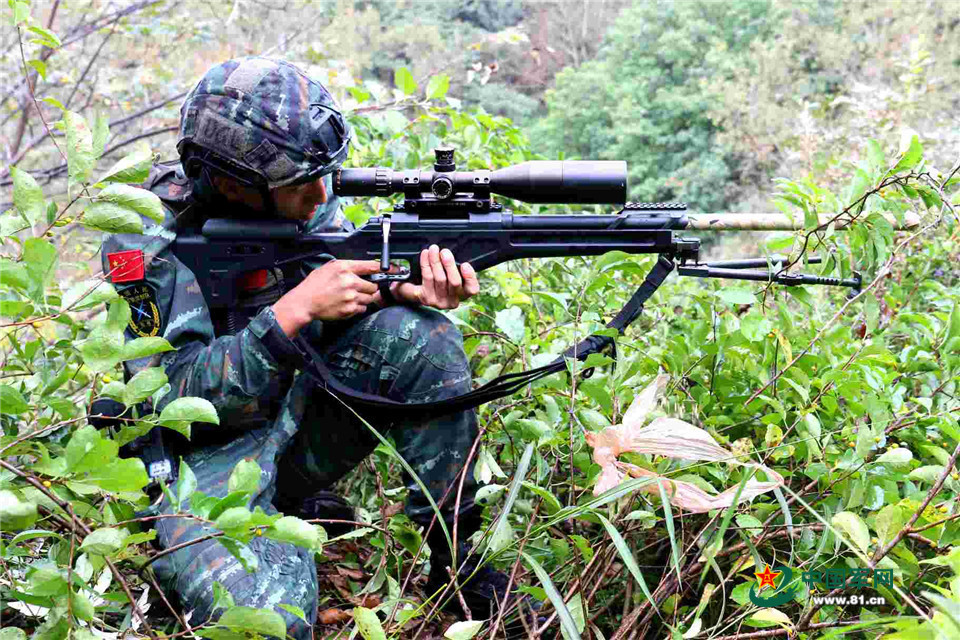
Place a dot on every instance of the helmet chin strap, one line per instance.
(207, 192)
(269, 205)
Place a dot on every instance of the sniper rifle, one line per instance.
(455, 210)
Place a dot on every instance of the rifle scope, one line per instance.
(539, 182)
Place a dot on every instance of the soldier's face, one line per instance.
(298, 202)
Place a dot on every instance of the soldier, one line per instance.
(260, 139)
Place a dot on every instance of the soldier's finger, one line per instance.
(471, 284)
(363, 286)
(454, 281)
(439, 276)
(426, 272)
(367, 298)
(362, 267)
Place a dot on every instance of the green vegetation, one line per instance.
(852, 401)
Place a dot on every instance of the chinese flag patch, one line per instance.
(126, 266)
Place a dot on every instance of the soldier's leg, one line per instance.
(405, 354)
(408, 355)
(285, 573)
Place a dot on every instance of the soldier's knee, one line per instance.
(427, 333)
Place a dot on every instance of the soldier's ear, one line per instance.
(233, 191)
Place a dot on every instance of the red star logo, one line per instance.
(767, 578)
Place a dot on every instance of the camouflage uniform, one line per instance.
(302, 438)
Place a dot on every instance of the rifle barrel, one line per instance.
(776, 221)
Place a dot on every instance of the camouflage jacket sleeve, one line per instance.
(239, 374)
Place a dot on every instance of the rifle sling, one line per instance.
(376, 407)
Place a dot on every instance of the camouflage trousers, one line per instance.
(411, 355)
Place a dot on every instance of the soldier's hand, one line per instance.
(333, 292)
(444, 285)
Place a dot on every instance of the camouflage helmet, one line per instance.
(263, 122)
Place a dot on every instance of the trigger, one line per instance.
(386, 294)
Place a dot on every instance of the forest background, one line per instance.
(845, 109)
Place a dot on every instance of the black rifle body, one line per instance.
(226, 249)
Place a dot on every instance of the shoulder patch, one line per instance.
(145, 320)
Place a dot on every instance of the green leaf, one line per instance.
(502, 533)
(40, 261)
(754, 326)
(141, 386)
(295, 531)
(875, 153)
(111, 218)
(735, 295)
(404, 81)
(127, 474)
(510, 322)
(438, 86)
(50, 39)
(550, 502)
(14, 274)
(261, 621)
(101, 351)
(408, 536)
(131, 168)
(118, 316)
(568, 627)
(928, 473)
(12, 401)
(183, 411)
(245, 477)
(368, 624)
(21, 11)
(134, 198)
(140, 537)
(248, 559)
(27, 195)
(88, 293)
(953, 328)
(297, 611)
(897, 458)
(80, 156)
(81, 606)
(671, 532)
(143, 347)
(235, 499)
(103, 542)
(577, 612)
(465, 629)
(912, 155)
(889, 522)
(853, 527)
(234, 519)
(627, 556)
(101, 133)
(88, 450)
(12, 633)
(16, 514)
(53, 102)
(741, 593)
(186, 485)
(772, 615)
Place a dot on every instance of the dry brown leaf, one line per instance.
(672, 438)
(333, 616)
(353, 574)
(368, 600)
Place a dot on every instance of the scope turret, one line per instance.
(539, 182)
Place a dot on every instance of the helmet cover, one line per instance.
(264, 116)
